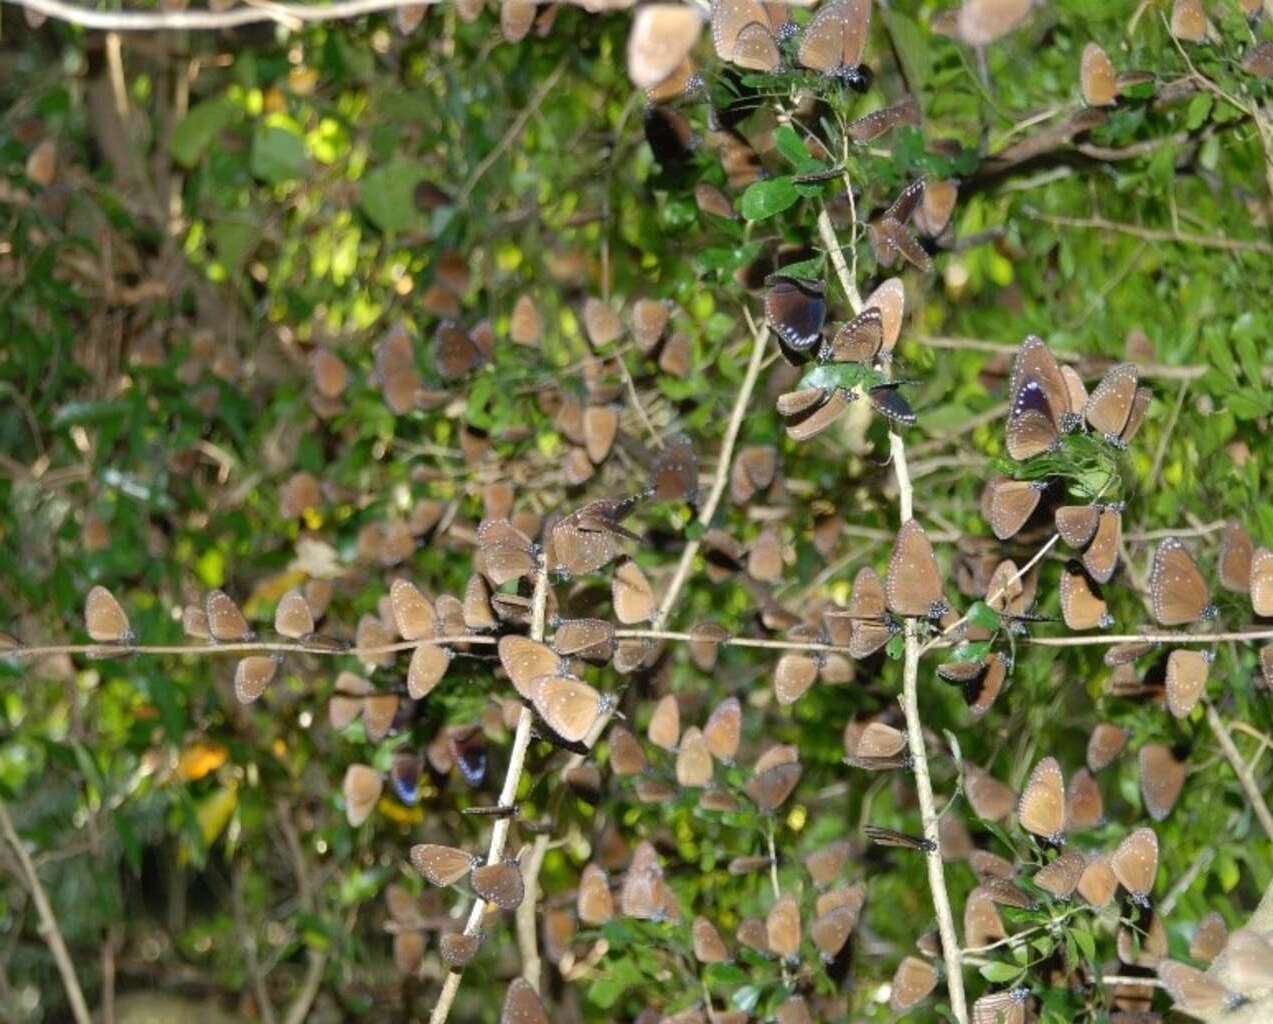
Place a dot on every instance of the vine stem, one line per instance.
(507, 796)
(1234, 757)
(910, 685)
(49, 929)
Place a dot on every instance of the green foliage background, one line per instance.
(160, 299)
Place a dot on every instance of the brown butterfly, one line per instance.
(1041, 808)
(1162, 777)
(105, 618)
(743, 32)
(1194, 992)
(1011, 503)
(1177, 591)
(1097, 77)
(1209, 938)
(362, 788)
(913, 586)
(891, 837)
(888, 235)
(1061, 876)
(834, 41)
(1135, 864)
(442, 865)
(1117, 407)
(522, 1004)
(871, 126)
(913, 982)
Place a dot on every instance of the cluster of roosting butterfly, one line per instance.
(549, 679)
(796, 310)
(1048, 405)
(1049, 408)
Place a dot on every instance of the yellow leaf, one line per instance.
(400, 813)
(201, 759)
(270, 590)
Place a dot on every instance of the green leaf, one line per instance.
(605, 991)
(999, 973)
(278, 155)
(1246, 330)
(895, 647)
(811, 268)
(971, 651)
(847, 376)
(981, 614)
(1199, 108)
(909, 41)
(1085, 942)
(1247, 403)
(766, 198)
(234, 239)
(387, 196)
(787, 140)
(197, 130)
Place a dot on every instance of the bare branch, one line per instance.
(507, 795)
(287, 14)
(49, 929)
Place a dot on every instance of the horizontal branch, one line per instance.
(1153, 234)
(1161, 637)
(291, 14)
(667, 636)
(1158, 371)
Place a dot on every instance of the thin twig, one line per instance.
(777, 888)
(514, 130)
(1185, 881)
(1240, 769)
(1157, 371)
(675, 636)
(300, 1006)
(527, 936)
(1153, 234)
(760, 339)
(298, 1012)
(507, 796)
(49, 929)
(252, 962)
(997, 595)
(1160, 452)
(1160, 637)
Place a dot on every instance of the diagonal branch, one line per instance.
(507, 795)
(760, 339)
(49, 929)
(1240, 768)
